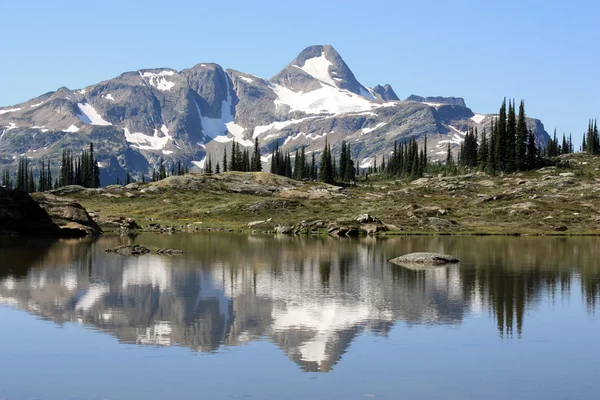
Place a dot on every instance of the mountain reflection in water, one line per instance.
(311, 297)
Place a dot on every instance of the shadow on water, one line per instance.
(311, 297)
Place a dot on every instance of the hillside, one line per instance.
(550, 200)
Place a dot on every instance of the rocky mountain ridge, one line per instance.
(142, 116)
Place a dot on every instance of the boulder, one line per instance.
(285, 230)
(43, 214)
(366, 218)
(70, 216)
(21, 215)
(424, 259)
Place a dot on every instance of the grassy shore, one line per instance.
(550, 201)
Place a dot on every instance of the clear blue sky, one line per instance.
(546, 52)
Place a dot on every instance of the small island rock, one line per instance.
(424, 259)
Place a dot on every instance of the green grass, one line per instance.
(391, 201)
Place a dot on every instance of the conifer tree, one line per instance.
(218, 168)
(326, 173)
(256, 161)
(162, 174)
(532, 151)
(500, 141)
(511, 137)
(209, 169)
(225, 159)
(521, 139)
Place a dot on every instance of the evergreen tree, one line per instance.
(127, 178)
(209, 169)
(511, 137)
(326, 173)
(162, 174)
(31, 182)
(313, 168)
(532, 151)
(449, 158)
(256, 161)
(225, 160)
(521, 139)
(483, 153)
(500, 141)
(218, 168)
(343, 162)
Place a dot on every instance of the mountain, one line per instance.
(140, 117)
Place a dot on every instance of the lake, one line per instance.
(261, 317)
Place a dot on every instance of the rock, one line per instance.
(66, 190)
(150, 189)
(138, 250)
(373, 228)
(70, 216)
(424, 259)
(560, 228)
(366, 218)
(130, 195)
(21, 215)
(255, 224)
(567, 174)
(339, 231)
(439, 223)
(284, 230)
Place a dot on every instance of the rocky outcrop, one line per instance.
(21, 215)
(424, 259)
(43, 214)
(71, 218)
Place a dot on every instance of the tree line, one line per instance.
(82, 170)
(239, 160)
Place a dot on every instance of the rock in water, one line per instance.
(424, 259)
(138, 250)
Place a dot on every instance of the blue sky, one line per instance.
(546, 52)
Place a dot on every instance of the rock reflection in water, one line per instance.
(311, 297)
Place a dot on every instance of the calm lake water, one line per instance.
(299, 318)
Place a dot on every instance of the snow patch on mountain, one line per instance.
(71, 129)
(326, 100)
(89, 115)
(147, 142)
(369, 130)
(478, 118)
(158, 79)
(434, 105)
(258, 130)
(318, 68)
(200, 164)
(249, 80)
(109, 97)
(36, 104)
(312, 136)
(10, 110)
(218, 128)
(366, 162)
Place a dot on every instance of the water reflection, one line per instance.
(311, 297)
